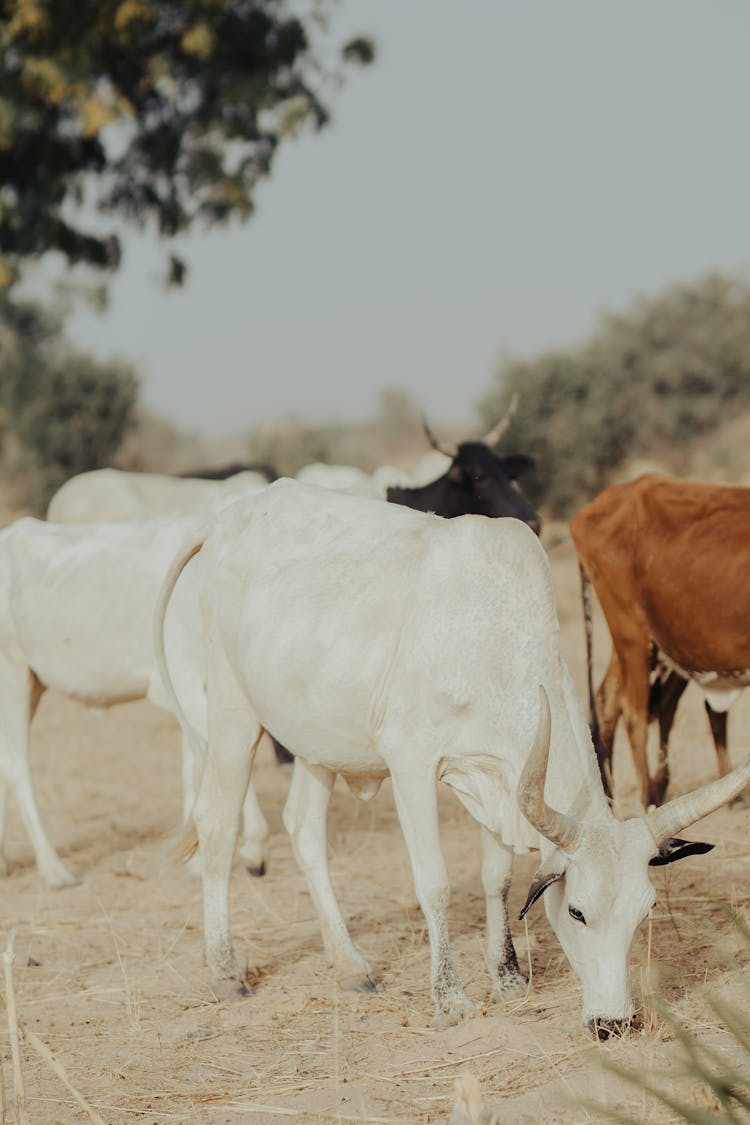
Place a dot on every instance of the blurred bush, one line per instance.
(61, 412)
(393, 434)
(647, 383)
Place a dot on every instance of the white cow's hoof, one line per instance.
(456, 1009)
(59, 878)
(510, 986)
(359, 982)
(231, 988)
(254, 857)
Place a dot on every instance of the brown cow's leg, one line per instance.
(670, 693)
(718, 723)
(635, 662)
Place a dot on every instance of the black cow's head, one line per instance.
(478, 482)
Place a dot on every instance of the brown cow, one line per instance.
(669, 562)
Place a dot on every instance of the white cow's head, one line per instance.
(596, 882)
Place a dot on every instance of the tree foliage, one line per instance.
(62, 412)
(648, 380)
(171, 111)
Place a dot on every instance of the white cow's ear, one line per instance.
(674, 848)
(544, 878)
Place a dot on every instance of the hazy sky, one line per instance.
(501, 175)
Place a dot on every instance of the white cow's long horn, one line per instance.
(448, 450)
(497, 431)
(673, 817)
(557, 827)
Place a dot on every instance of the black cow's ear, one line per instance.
(674, 848)
(517, 464)
(542, 880)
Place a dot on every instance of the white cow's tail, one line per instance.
(593, 716)
(188, 550)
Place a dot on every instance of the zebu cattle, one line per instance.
(376, 640)
(76, 615)
(115, 496)
(342, 477)
(474, 481)
(221, 472)
(668, 560)
(106, 496)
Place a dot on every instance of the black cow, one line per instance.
(231, 470)
(477, 483)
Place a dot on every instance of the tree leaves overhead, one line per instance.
(173, 110)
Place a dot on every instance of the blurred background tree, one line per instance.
(159, 114)
(61, 412)
(647, 383)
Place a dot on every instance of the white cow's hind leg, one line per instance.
(192, 767)
(416, 802)
(192, 770)
(233, 731)
(497, 865)
(20, 694)
(253, 848)
(305, 820)
(3, 825)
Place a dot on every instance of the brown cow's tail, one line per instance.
(593, 717)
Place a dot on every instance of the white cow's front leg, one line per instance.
(305, 815)
(497, 865)
(416, 802)
(20, 694)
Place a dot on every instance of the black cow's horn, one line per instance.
(497, 431)
(448, 451)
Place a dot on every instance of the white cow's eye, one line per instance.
(574, 912)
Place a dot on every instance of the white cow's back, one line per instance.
(115, 496)
(340, 478)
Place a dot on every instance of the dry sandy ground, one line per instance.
(109, 974)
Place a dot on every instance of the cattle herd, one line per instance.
(415, 639)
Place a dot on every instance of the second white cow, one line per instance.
(76, 615)
(115, 496)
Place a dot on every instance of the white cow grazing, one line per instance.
(373, 639)
(114, 496)
(76, 614)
